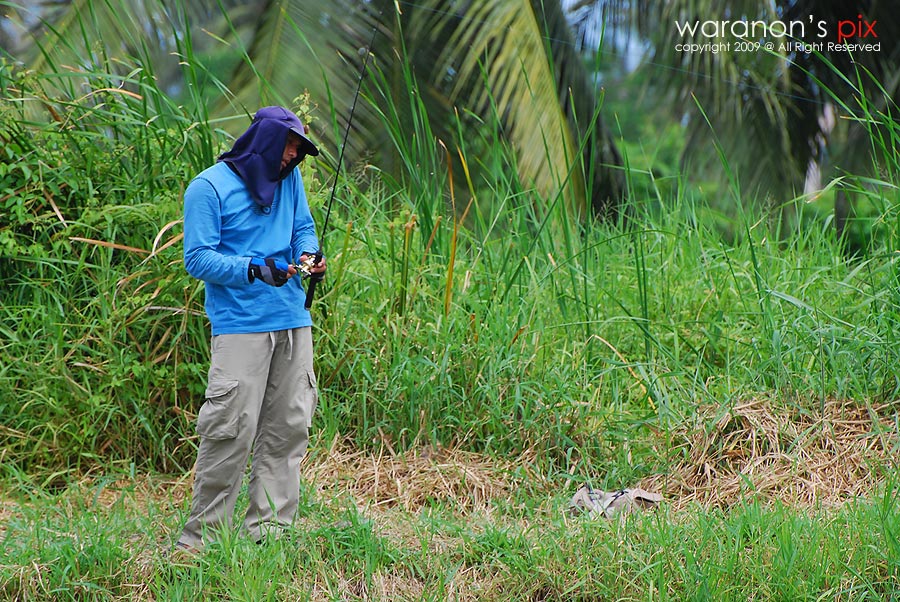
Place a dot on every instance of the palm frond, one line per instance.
(514, 59)
(517, 58)
(316, 48)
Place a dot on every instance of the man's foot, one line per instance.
(181, 553)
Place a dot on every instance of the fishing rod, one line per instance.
(305, 267)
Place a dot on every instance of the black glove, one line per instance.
(269, 270)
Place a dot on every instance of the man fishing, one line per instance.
(247, 227)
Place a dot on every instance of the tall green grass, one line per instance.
(460, 308)
(99, 316)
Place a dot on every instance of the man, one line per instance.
(246, 220)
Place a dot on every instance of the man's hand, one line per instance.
(316, 270)
(270, 270)
(316, 273)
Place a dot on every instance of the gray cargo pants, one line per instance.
(260, 398)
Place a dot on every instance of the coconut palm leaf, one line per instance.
(518, 58)
(513, 58)
(298, 47)
(80, 32)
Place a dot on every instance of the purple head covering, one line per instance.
(256, 155)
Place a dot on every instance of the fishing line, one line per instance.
(315, 278)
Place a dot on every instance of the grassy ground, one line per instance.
(805, 521)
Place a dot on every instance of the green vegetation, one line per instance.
(463, 314)
(100, 541)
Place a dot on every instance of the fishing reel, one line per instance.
(304, 268)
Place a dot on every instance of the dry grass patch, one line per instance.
(383, 585)
(771, 451)
(419, 477)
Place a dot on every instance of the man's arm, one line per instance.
(202, 235)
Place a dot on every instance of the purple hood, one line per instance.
(256, 155)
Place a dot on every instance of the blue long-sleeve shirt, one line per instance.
(224, 229)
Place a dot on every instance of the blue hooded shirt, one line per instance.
(226, 224)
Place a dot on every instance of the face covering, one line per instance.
(256, 155)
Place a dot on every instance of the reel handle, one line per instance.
(313, 280)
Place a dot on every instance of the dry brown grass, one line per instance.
(770, 451)
(419, 477)
(758, 448)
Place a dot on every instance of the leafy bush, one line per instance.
(98, 323)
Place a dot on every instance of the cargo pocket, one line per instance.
(312, 399)
(218, 417)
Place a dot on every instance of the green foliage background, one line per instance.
(483, 317)
(462, 308)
